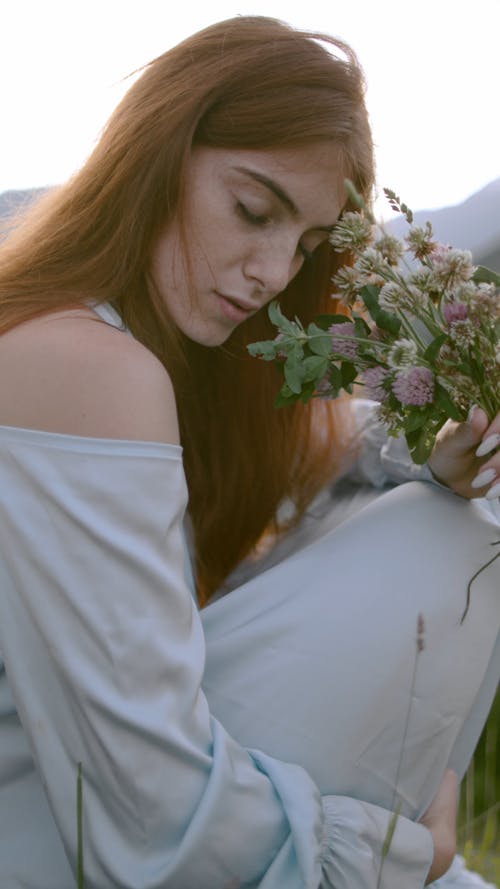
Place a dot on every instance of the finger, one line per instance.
(485, 477)
(489, 443)
(488, 451)
(477, 424)
(494, 491)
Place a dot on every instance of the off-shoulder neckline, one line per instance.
(66, 441)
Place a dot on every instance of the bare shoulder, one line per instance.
(70, 372)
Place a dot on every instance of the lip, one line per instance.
(235, 309)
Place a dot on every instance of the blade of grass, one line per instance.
(79, 827)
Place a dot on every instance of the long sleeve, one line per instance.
(382, 459)
(104, 654)
(355, 856)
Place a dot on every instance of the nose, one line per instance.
(271, 265)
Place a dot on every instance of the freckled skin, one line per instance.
(244, 241)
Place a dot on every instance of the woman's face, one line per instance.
(251, 219)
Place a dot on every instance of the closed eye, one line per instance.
(262, 220)
(253, 218)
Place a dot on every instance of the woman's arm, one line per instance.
(100, 635)
(105, 655)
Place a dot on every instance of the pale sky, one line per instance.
(431, 68)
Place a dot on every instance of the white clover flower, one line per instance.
(352, 232)
(488, 292)
(390, 418)
(391, 296)
(463, 333)
(422, 279)
(485, 300)
(466, 293)
(394, 296)
(402, 353)
(371, 262)
(390, 248)
(452, 266)
(459, 389)
(348, 283)
(416, 299)
(420, 241)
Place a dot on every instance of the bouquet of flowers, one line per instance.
(421, 330)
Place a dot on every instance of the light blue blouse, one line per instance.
(102, 663)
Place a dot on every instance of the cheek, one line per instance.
(167, 260)
(211, 249)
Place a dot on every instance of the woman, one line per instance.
(212, 190)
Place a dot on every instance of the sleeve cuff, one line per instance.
(352, 851)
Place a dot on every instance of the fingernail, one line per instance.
(493, 492)
(471, 412)
(483, 478)
(488, 444)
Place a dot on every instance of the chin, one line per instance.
(209, 338)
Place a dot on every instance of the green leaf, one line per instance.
(348, 373)
(307, 392)
(433, 348)
(321, 343)
(370, 295)
(314, 368)
(279, 320)
(285, 400)
(482, 275)
(384, 320)
(421, 445)
(293, 374)
(335, 377)
(477, 371)
(387, 322)
(444, 403)
(267, 350)
(354, 196)
(416, 419)
(326, 321)
(285, 397)
(361, 328)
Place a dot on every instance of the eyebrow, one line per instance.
(272, 186)
(280, 194)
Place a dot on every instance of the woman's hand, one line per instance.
(466, 456)
(441, 819)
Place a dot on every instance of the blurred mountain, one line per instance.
(14, 200)
(473, 224)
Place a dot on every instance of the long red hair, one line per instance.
(249, 82)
